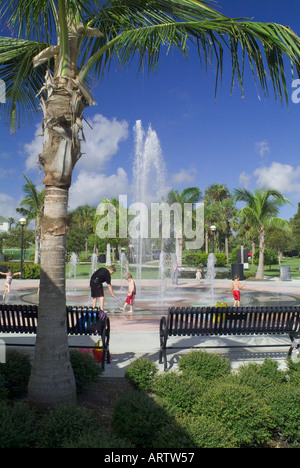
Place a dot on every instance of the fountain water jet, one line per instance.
(149, 186)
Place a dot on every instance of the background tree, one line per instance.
(32, 207)
(188, 195)
(260, 211)
(55, 48)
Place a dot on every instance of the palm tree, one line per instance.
(188, 195)
(56, 47)
(32, 207)
(260, 212)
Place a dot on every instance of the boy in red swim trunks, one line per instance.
(131, 294)
(235, 289)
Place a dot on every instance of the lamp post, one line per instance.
(22, 222)
(213, 230)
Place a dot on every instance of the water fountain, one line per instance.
(210, 274)
(149, 186)
(124, 267)
(72, 273)
(108, 255)
(94, 263)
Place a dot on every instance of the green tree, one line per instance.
(32, 207)
(55, 49)
(262, 207)
(188, 195)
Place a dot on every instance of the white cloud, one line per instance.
(8, 206)
(282, 177)
(90, 188)
(244, 179)
(102, 142)
(184, 176)
(33, 149)
(262, 148)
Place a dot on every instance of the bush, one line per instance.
(285, 403)
(30, 270)
(293, 371)
(261, 377)
(86, 369)
(17, 426)
(179, 390)
(63, 425)
(3, 389)
(138, 417)
(205, 365)
(240, 409)
(140, 373)
(16, 372)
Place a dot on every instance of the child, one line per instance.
(198, 274)
(9, 277)
(131, 294)
(235, 289)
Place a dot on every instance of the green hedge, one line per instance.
(200, 259)
(30, 270)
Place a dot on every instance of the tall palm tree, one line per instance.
(188, 195)
(54, 50)
(32, 207)
(260, 211)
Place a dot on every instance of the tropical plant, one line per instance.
(262, 207)
(190, 195)
(54, 49)
(32, 207)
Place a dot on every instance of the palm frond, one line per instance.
(146, 28)
(22, 81)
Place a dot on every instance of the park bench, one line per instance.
(23, 319)
(217, 321)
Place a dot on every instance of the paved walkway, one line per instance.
(138, 335)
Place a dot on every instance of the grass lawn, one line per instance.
(152, 271)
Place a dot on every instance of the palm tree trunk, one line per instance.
(52, 381)
(260, 268)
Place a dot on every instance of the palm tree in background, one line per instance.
(190, 195)
(54, 50)
(260, 212)
(32, 207)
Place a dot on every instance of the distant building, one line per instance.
(4, 224)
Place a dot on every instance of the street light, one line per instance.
(22, 222)
(213, 230)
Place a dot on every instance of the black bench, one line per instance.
(217, 321)
(80, 321)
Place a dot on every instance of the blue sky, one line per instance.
(240, 142)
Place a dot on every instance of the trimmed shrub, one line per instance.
(140, 373)
(208, 366)
(17, 426)
(86, 369)
(293, 371)
(3, 390)
(138, 417)
(261, 377)
(16, 372)
(285, 403)
(179, 390)
(206, 432)
(65, 424)
(240, 409)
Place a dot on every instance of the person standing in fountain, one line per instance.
(131, 294)
(9, 277)
(235, 289)
(102, 275)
